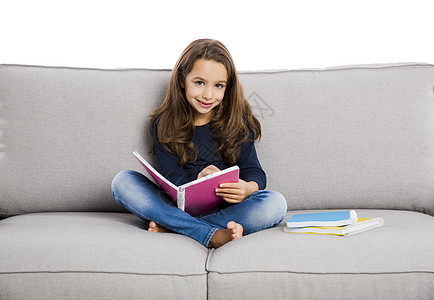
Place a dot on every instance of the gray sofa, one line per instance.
(359, 137)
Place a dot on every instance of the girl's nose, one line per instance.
(207, 94)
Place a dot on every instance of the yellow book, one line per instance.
(362, 224)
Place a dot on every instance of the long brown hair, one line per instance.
(230, 118)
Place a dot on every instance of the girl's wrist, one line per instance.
(253, 187)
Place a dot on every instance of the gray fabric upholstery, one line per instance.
(82, 255)
(263, 285)
(90, 254)
(355, 137)
(73, 286)
(394, 260)
(402, 236)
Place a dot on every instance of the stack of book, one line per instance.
(342, 223)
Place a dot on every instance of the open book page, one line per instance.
(220, 174)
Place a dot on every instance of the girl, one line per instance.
(204, 125)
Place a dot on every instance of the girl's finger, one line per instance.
(232, 200)
(227, 191)
(213, 168)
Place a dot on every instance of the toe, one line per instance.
(231, 225)
(152, 226)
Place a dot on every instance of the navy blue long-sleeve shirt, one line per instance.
(250, 168)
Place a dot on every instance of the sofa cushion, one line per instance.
(91, 255)
(391, 262)
(66, 132)
(351, 137)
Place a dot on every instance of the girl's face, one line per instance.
(205, 87)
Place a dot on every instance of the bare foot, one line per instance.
(154, 227)
(223, 236)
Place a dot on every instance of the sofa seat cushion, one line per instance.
(391, 262)
(90, 255)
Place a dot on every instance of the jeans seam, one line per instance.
(209, 236)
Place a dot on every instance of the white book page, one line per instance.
(212, 175)
(153, 171)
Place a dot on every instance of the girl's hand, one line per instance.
(236, 192)
(208, 170)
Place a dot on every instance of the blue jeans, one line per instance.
(260, 210)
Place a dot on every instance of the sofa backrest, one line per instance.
(347, 137)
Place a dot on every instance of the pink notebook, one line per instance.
(195, 197)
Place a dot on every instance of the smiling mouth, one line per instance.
(204, 104)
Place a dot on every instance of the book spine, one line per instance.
(180, 198)
(353, 216)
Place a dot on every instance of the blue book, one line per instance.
(331, 218)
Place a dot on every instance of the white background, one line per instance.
(263, 34)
